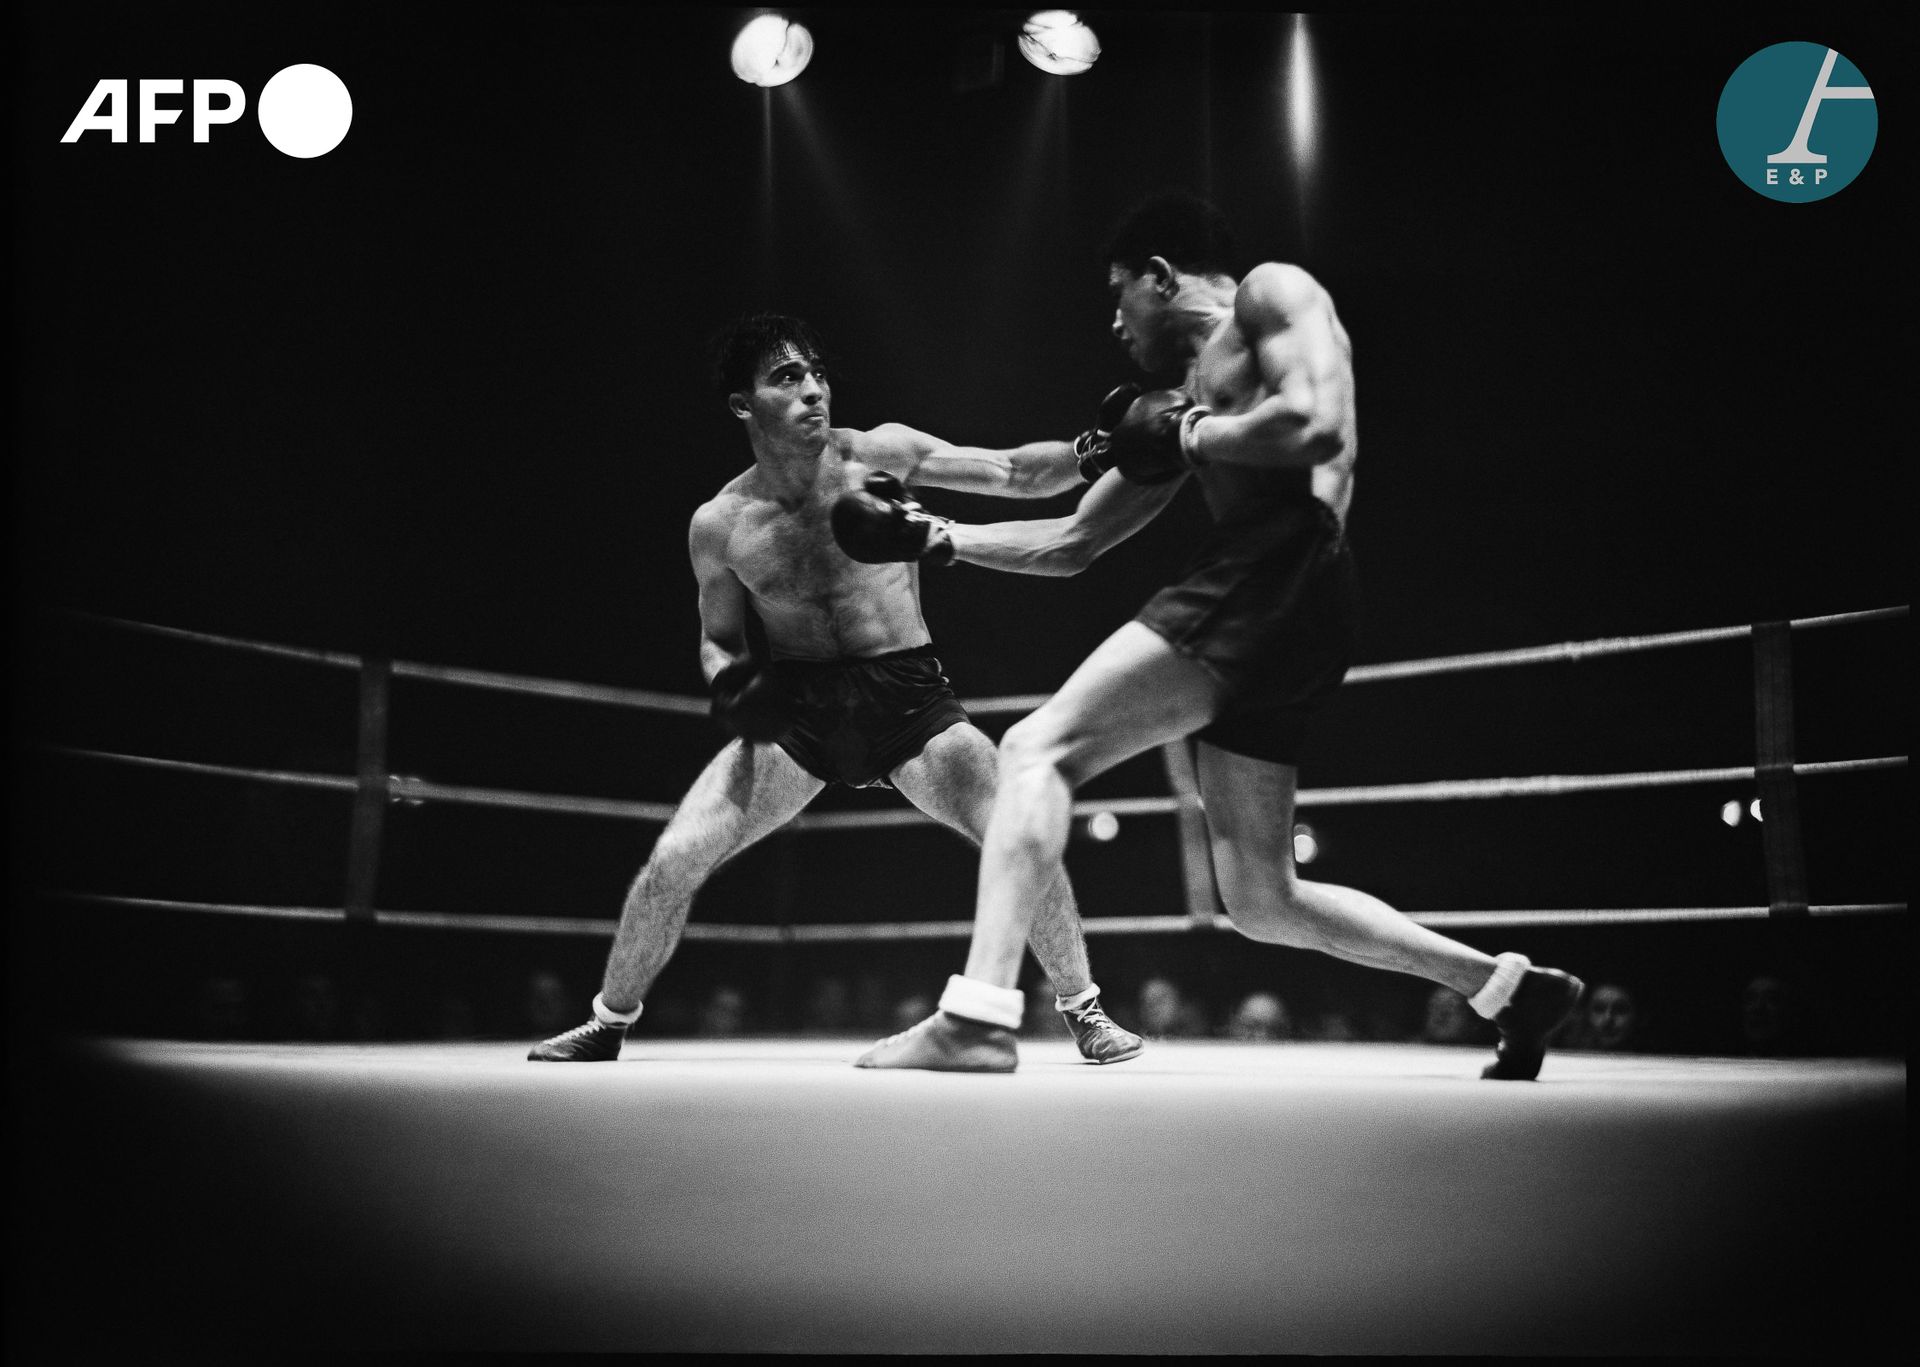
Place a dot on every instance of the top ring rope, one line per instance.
(644, 698)
(1588, 650)
(1491, 659)
(693, 705)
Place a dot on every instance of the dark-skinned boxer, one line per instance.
(1235, 657)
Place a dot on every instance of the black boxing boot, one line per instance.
(1538, 1001)
(598, 1041)
(1100, 1038)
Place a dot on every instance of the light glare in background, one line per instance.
(1306, 845)
(1056, 41)
(1103, 826)
(1303, 97)
(771, 50)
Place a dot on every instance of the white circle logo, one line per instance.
(305, 110)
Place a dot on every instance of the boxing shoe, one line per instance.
(946, 1043)
(1099, 1038)
(594, 1042)
(1543, 999)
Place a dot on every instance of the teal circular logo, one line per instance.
(1797, 122)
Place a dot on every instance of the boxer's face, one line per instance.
(1141, 317)
(790, 394)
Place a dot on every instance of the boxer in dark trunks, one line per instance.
(1237, 655)
(847, 689)
(856, 721)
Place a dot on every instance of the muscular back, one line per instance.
(1282, 338)
(815, 603)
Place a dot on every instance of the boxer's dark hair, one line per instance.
(1182, 227)
(738, 348)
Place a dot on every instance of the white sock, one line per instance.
(1078, 999)
(983, 1002)
(606, 1015)
(1508, 970)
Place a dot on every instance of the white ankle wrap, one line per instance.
(1508, 970)
(606, 1015)
(1078, 999)
(984, 1002)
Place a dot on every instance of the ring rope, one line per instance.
(951, 930)
(686, 704)
(1587, 650)
(1545, 785)
(691, 705)
(373, 782)
(401, 788)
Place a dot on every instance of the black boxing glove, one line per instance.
(879, 524)
(749, 703)
(1090, 447)
(1153, 443)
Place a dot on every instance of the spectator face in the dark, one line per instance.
(1612, 1017)
(724, 1015)
(1449, 1019)
(1167, 1012)
(1160, 1006)
(1336, 1027)
(1259, 1016)
(910, 1011)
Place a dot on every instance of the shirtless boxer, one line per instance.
(852, 693)
(1237, 655)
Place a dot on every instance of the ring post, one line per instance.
(370, 799)
(1196, 858)
(1773, 769)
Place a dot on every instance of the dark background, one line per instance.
(440, 394)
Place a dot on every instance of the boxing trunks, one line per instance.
(857, 720)
(1270, 606)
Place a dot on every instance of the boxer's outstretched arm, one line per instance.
(1112, 511)
(1288, 322)
(1039, 469)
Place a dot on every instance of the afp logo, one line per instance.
(303, 110)
(1797, 122)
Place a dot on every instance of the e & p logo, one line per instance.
(1797, 122)
(303, 110)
